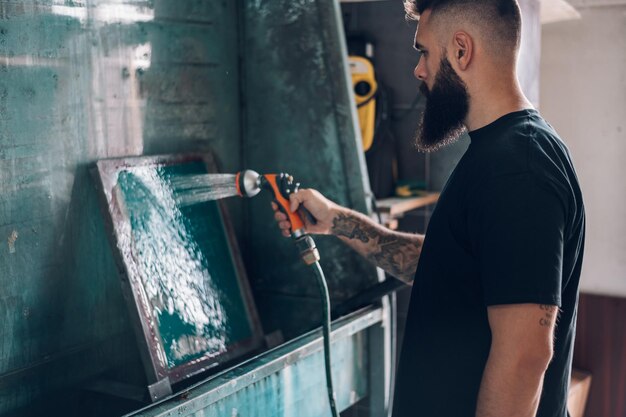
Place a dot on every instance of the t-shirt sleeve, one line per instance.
(519, 224)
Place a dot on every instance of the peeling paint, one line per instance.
(11, 241)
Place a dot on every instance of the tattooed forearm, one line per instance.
(350, 226)
(396, 253)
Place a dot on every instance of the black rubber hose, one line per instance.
(321, 281)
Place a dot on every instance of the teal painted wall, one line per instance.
(299, 118)
(79, 81)
(261, 83)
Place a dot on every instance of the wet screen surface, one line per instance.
(184, 264)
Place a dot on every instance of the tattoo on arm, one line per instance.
(396, 253)
(547, 314)
(350, 227)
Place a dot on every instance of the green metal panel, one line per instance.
(299, 118)
(79, 81)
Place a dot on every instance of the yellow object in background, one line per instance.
(409, 188)
(365, 88)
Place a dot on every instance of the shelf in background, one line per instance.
(391, 209)
(395, 206)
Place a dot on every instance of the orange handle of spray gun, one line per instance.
(294, 218)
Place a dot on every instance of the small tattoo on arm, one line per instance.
(548, 310)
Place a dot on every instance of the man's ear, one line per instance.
(462, 48)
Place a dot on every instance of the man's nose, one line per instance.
(420, 71)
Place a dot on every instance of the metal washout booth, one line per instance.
(259, 84)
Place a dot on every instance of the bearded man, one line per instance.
(501, 259)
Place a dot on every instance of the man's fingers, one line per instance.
(294, 201)
(283, 221)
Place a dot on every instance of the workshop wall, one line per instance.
(299, 118)
(80, 81)
(583, 95)
(89, 79)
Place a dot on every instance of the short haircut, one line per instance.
(499, 21)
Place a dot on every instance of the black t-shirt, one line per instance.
(508, 229)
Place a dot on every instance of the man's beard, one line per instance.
(447, 105)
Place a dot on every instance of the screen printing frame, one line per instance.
(159, 375)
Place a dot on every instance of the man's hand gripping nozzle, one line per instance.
(250, 183)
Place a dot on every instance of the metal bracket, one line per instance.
(118, 389)
(160, 389)
(274, 339)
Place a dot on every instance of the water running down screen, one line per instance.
(185, 265)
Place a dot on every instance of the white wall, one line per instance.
(583, 95)
(530, 50)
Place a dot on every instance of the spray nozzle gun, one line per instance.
(250, 183)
